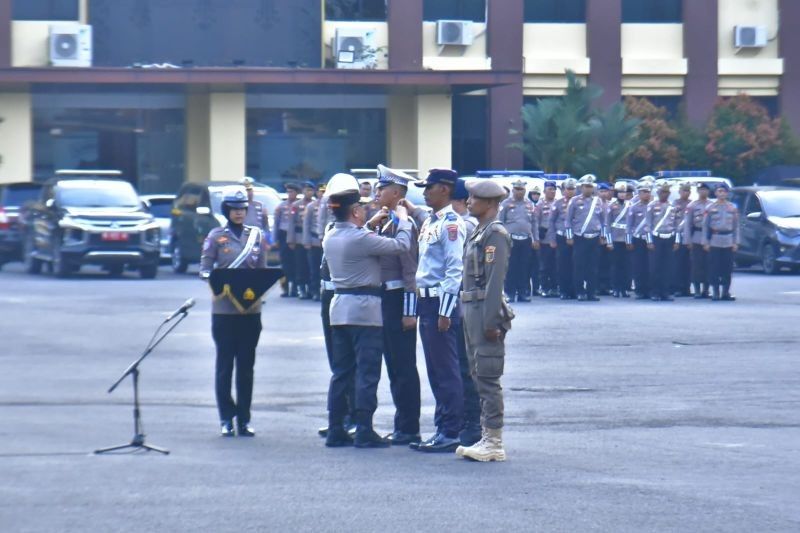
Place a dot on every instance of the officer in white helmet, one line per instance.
(353, 256)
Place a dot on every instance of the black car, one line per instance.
(89, 218)
(14, 197)
(197, 210)
(770, 227)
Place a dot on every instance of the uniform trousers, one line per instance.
(681, 270)
(350, 394)
(518, 279)
(357, 352)
(661, 261)
(535, 270)
(441, 360)
(236, 338)
(301, 273)
(400, 354)
(287, 256)
(700, 260)
(641, 268)
(603, 268)
(585, 261)
(472, 402)
(566, 286)
(314, 256)
(720, 266)
(486, 363)
(621, 267)
(547, 258)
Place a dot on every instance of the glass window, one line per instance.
(555, 10)
(753, 205)
(45, 10)
(782, 204)
(312, 144)
(355, 10)
(474, 10)
(96, 193)
(469, 133)
(660, 11)
(18, 195)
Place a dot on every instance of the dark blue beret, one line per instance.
(439, 175)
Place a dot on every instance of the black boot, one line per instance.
(337, 436)
(726, 294)
(715, 293)
(305, 293)
(697, 294)
(704, 292)
(292, 290)
(367, 438)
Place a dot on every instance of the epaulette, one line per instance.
(450, 216)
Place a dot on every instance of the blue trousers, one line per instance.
(400, 354)
(357, 351)
(441, 359)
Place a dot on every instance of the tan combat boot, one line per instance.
(490, 448)
(460, 450)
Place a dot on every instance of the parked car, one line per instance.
(197, 210)
(160, 206)
(770, 227)
(14, 199)
(89, 217)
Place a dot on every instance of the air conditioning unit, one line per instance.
(353, 48)
(750, 36)
(454, 32)
(71, 45)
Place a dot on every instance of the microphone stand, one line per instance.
(138, 442)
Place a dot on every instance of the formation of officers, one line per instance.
(602, 240)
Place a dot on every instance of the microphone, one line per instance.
(188, 304)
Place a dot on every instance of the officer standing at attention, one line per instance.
(693, 237)
(721, 240)
(661, 224)
(516, 214)
(682, 266)
(547, 254)
(353, 256)
(441, 248)
(637, 239)
(399, 309)
(256, 212)
(558, 227)
(585, 229)
(487, 318)
(283, 214)
(295, 239)
(604, 255)
(459, 203)
(534, 270)
(235, 334)
(312, 241)
(616, 229)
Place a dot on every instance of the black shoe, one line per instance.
(699, 296)
(523, 299)
(582, 298)
(616, 294)
(715, 293)
(416, 445)
(323, 432)
(399, 438)
(441, 444)
(592, 298)
(245, 430)
(604, 292)
(727, 297)
(642, 297)
(226, 428)
(667, 298)
(367, 438)
(552, 293)
(470, 435)
(624, 294)
(338, 438)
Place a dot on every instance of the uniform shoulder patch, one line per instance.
(452, 232)
(490, 254)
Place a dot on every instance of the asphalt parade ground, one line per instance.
(620, 416)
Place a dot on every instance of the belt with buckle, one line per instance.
(360, 291)
(560, 233)
(327, 285)
(475, 295)
(393, 285)
(428, 292)
(520, 237)
(664, 235)
(590, 235)
(717, 232)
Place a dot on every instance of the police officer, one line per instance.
(256, 212)
(283, 225)
(459, 203)
(399, 309)
(693, 237)
(487, 318)
(637, 239)
(546, 240)
(372, 207)
(585, 227)
(312, 242)
(516, 214)
(534, 271)
(353, 256)
(295, 239)
(605, 193)
(441, 245)
(558, 227)
(682, 266)
(616, 230)
(662, 220)
(721, 240)
(235, 334)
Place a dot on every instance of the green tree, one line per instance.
(658, 139)
(615, 137)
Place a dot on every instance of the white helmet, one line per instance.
(341, 183)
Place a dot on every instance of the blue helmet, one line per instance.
(233, 198)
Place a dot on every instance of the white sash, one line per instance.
(663, 218)
(255, 236)
(622, 213)
(589, 216)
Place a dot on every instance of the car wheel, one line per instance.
(178, 264)
(61, 268)
(116, 271)
(149, 270)
(32, 265)
(769, 262)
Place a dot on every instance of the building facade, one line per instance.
(180, 90)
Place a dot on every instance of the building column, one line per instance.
(16, 137)
(405, 34)
(420, 131)
(504, 40)
(700, 45)
(790, 52)
(604, 48)
(215, 136)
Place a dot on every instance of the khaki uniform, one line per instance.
(220, 249)
(486, 258)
